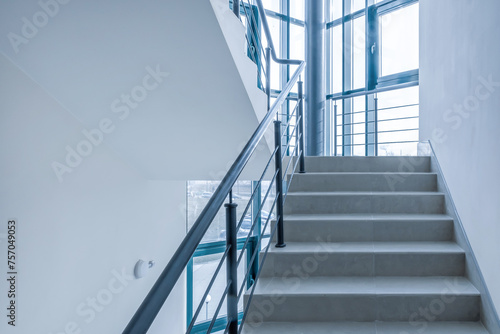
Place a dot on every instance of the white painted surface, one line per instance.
(90, 55)
(75, 235)
(459, 112)
(123, 197)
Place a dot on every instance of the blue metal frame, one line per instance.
(209, 248)
(219, 247)
(373, 80)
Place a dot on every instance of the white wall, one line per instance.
(76, 235)
(460, 114)
(67, 67)
(91, 54)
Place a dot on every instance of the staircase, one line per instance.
(369, 250)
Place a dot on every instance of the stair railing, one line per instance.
(293, 132)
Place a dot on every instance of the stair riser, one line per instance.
(303, 265)
(368, 164)
(362, 308)
(368, 230)
(364, 182)
(365, 203)
(367, 328)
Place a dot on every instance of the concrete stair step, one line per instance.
(364, 299)
(368, 164)
(322, 258)
(364, 202)
(441, 327)
(364, 182)
(369, 250)
(368, 227)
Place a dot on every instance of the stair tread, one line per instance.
(377, 286)
(439, 327)
(362, 173)
(364, 193)
(361, 216)
(422, 247)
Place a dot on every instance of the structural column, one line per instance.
(315, 82)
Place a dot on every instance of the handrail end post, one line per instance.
(300, 91)
(232, 268)
(279, 185)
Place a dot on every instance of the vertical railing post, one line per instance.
(257, 219)
(302, 167)
(335, 129)
(236, 8)
(268, 77)
(279, 185)
(232, 267)
(375, 127)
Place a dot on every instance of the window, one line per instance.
(399, 40)
(208, 255)
(372, 47)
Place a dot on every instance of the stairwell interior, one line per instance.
(369, 250)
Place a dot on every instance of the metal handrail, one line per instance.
(340, 96)
(270, 43)
(153, 302)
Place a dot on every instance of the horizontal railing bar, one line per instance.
(398, 142)
(291, 175)
(396, 119)
(256, 250)
(372, 133)
(290, 116)
(245, 312)
(269, 38)
(379, 121)
(335, 97)
(214, 318)
(254, 192)
(372, 110)
(212, 281)
(289, 142)
(385, 143)
(258, 215)
(403, 130)
(289, 162)
(398, 107)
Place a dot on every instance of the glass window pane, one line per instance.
(273, 5)
(358, 53)
(198, 195)
(397, 136)
(399, 40)
(297, 42)
(337, 130)
(275, 28)
(336, 59)
(336, 10)
(203, 270)
(266, 213)
(359, 150)
(357, 5)
(397, 98)
(398, 122)
(399, 149)
(297, 8)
